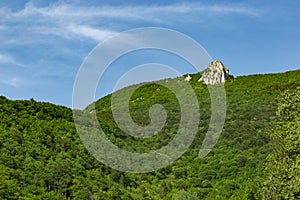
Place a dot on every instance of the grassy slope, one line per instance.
(42, 156)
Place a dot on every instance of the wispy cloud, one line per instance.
(232, 9)
(15, 81)
(47, 38)
(89, 32)
(95, 22)
(8, 62)
(137, 12)
(4, 58)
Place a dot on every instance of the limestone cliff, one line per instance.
(215, 73)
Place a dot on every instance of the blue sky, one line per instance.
(43, 43)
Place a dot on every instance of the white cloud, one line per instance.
(67, 20)
(16, 82)
(7, 79)
(5, 59)
(74, 31)
(138, 12)
(28, 29)
(9, 60)
(230, 9)
(89, 32)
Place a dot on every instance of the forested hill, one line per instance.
(42, 156)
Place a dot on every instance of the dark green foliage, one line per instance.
(42, 156)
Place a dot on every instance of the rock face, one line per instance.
(188, 78)
(215, 73)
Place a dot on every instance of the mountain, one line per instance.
(43, 157)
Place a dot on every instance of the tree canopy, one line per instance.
(42, 156)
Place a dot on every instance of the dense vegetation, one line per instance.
(42, 156)
(282, 174)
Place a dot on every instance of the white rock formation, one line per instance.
(215, 73)
(188, 78)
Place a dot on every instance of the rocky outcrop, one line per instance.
(215, 73)
(188, 78)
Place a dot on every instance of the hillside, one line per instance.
(42, 156)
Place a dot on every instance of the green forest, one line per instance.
(256, 157)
